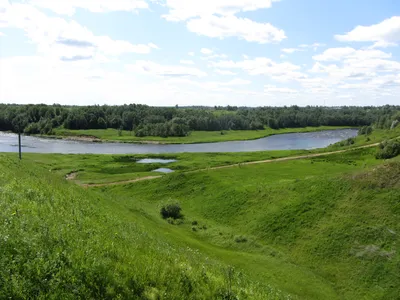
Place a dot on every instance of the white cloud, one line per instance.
(217, 19)
(191, 53)
(334, 54)
(225, 72)
(337, 54)
(68, 7)
(181, 10)
(388, 31)
(382, 44)
(186, 62)
(314, 46)
(2, 34)
(206, 51)
(273, 89)
(237, 81)
(291, 50)
(65, 39)
(232, 26)
(285, 71)
(152, 68)
(214, 56)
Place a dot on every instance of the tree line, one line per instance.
(174, 121)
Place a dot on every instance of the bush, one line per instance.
(172, 211)
(388, 149)
(366, 130)
(240, 239)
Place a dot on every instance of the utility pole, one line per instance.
(19, 144)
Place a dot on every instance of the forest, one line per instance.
(176, 121)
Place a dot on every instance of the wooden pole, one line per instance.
(19, 145)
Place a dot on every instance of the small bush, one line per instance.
(366, 130)
(195, 223)
(194, 228)
(172, 211)
(240, 239)
(388, 149)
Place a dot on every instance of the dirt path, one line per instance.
(227, 166)
(120, 182)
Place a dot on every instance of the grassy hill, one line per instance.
(318, 228)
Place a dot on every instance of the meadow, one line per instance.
(194, 137)
(321, 227)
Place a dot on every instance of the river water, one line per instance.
(290, 141)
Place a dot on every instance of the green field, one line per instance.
(194, 137)
(323, 227)
(92, 168)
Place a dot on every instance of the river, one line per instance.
(290, 141)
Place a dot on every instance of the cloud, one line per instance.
(191, 53)
(337, 54)
(225, 72)
(285, 71)
(206, 51)
(74, 43)
(273, 89)
(291, 50)
(58, 37)
(232, 26)
(76, 58)
(388, 31)
(187, 62)
(2, 34)
(152, 68)
(314, 46)
(217, 19)
(182, 10)
(69, 7)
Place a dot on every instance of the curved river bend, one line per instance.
(290, 141)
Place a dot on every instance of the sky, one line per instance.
(192, 52)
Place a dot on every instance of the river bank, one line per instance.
(196, 137)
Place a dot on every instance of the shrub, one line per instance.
(194, 223)
(388, 149)
(367, 130)
(240, 239)
(172, 210)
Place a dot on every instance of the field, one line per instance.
(321, 227)
(194, 137)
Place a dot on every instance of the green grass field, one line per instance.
(194, 137)
(325, 227)
(91, 168)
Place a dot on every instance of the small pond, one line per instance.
(164, 170)
(156, 161)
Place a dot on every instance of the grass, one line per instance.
(97, 169)
(91, 168)
(377, 136)
(59, 241)
(331, 221)
(318, 228)
(194, 137)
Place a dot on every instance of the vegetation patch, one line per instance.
(171, 211)
(388, 149)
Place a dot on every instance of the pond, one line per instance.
(156, 161)
(163, 170)
(290, 141)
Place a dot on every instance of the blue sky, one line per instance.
(190, 52)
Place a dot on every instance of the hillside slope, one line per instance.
(59, 241)
(332, 221)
